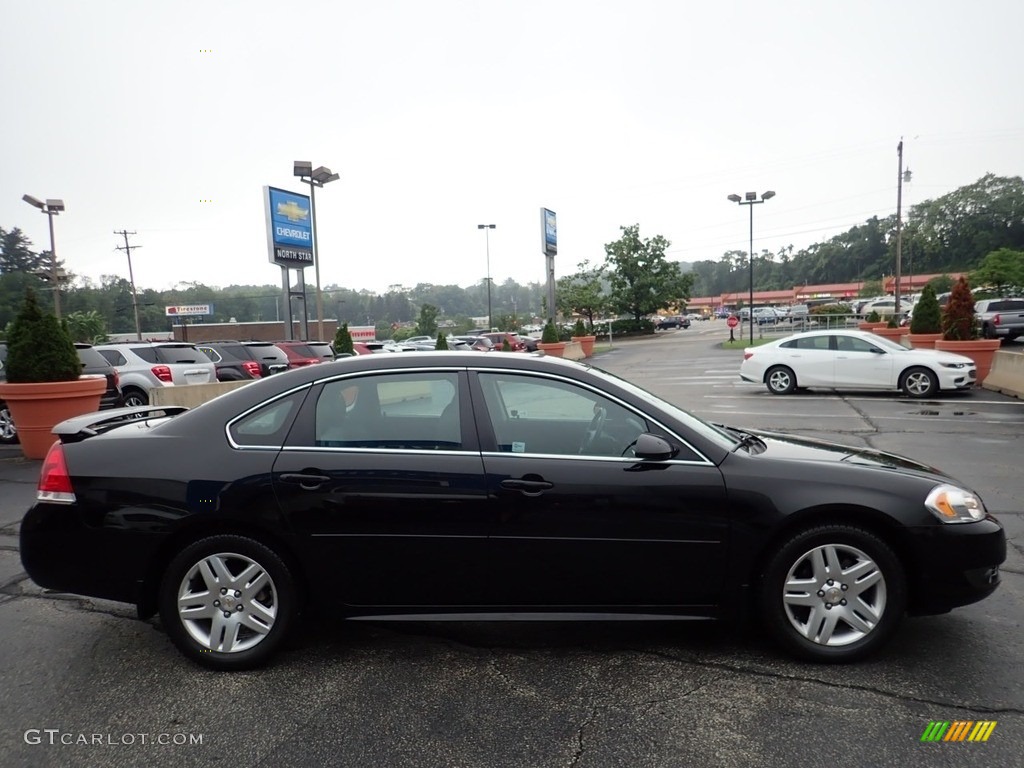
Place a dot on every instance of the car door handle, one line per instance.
(528, 487)
(308, 482)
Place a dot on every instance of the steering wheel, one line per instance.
(594, 428)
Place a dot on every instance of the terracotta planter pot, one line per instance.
(866, 326)
(587, 342)
(555, 349)
(37, 408)
(893, 334)
(981, 351)
(923, 340)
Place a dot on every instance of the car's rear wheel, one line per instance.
(919, 382)
(834, 593)
(780, 380)
(227, 602)
(8, 433)
(133, 397)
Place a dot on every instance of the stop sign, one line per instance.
(733, 321)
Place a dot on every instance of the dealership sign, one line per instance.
(189, 309)
(289, 228)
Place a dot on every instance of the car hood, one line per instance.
(940, 356)
(784, 446)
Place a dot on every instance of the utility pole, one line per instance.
(131, 276)
(899, 227)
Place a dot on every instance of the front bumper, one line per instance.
(957, 564)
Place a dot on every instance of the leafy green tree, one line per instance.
(642, 279)
(89, 327)
(1002, 270)
(941, 284)
(871, 288)
(16, 253)
(343, 341)
(927, 316)
(427, 323)
(583, 293)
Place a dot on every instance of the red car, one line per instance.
(299, 353)
(499, 340)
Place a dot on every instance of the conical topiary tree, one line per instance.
(927, 316)
(550, 333)
(39, 348)
(343, 341)
(959, 322)
(442, 341)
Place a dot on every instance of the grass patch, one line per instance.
(743, 343)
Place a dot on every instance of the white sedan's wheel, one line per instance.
(919, 382)
(780, 380)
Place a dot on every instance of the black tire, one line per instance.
(919, 382)
(988, 331)
(780, 380)
(133, 397)
(813, 619)
(270, 598)
(8, 432)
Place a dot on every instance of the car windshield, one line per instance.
(712, 432)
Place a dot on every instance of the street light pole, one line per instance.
(316, 178)
(51, 208)
(487, 239)
(750, 199)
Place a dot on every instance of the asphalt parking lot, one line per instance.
(538, 694)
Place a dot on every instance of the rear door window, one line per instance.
(179, 354)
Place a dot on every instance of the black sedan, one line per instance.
(452, 485)
(664, 323)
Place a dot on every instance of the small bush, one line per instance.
(927, 315)
(39, 347)
(580, 329)
(959, 322)
(874, 317)
(442, 342)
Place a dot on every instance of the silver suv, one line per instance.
(145, 365)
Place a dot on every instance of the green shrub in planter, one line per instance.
(550, 334)
(343, 341)
(927, 315)
(442, 342)
(580, 329)
(874, 317)
(39, 348)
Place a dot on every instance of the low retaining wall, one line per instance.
(191, 395)
(1007, 374)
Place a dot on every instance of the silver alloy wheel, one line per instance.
(918, 383)
(834, 595)
(7, 429)
(135, 398)
(227, 602)
(780, 381)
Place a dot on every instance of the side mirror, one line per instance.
(652, 447)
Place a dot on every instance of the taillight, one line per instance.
(747, 355)
(162, 372)
(252, 368)
(54, 480)
(117, 379)
(995, 320)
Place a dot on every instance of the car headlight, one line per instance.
(954, 365)
(954, 505)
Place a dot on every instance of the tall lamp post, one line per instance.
(315, 178)
(487, 238)
(51, 208)
(750, 199)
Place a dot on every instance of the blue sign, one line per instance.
(550, 232)
(290, 227)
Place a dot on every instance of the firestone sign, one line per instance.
(289, 228)
(189, 309)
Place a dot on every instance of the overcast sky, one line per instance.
(440, 115)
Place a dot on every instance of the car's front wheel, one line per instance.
(780, 380)
(834, 593)
(227, 602)
(919, 382)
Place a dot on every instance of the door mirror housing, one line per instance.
(652, 447)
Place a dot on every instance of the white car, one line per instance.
(854, 360)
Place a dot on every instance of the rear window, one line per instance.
(267, 352)
(1007, 305)
(179, 354)
(91, 358)
(302, 350)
